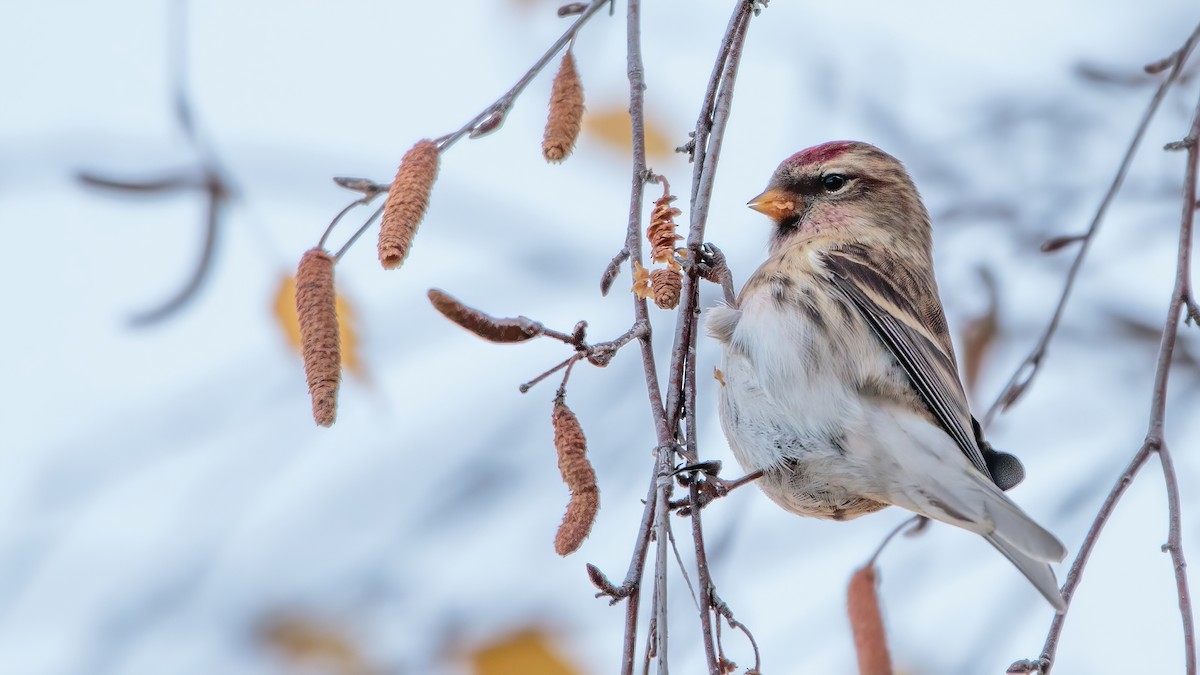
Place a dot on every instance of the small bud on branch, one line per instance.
(407, 202)
(488, 124)
(316, 307)
(1057, 243)
(364, 185)
(571, 9)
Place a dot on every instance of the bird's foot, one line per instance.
(709, 486)
(712, 267)
(1029, 666)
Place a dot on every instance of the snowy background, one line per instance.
(168, 506)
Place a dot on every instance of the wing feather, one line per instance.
(920, 349)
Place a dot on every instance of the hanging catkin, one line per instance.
(663, 285)
(566, 112)
(666, 284)
(316, 307)
(580, 478)
(661, 232)
(407, 201)
(485, 326)
(866, 622)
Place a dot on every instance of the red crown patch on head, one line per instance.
(819, 154)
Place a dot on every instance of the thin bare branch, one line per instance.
(681, 392)
(1174, 547)
(218, 195)
(910, 524)
(1075, 574)
(208, 176)
(708, 136)
(1020, 380)
(357, 233)
(488, 120)
(366, 199)
(723, 609)
(524, 388)
(493, 116)
(633, 244)
(1155, 441)
(662, 529)
(168, 183)
(706, 584)
(612, 270)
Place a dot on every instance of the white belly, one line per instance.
(791, 407)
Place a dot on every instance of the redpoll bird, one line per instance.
(840, 382)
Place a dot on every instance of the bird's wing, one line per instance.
(922, 349)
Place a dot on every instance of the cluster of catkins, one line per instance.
(407, 202)
(663, 284)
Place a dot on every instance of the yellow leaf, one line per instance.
(641, 281)
(610, 124)
(527, 652)
(289, 322)
(311, 644)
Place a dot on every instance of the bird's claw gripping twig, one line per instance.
(711, 266)
(711, 488)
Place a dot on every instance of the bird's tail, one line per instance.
(936, 480)
(1038, 572)
(1026, 544)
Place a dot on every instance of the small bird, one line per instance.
(839, 377)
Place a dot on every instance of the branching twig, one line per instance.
(1155, 441)
(492, 117)
(911, 524)
(1023, 376)
(723, 609)
(681, 394)
(370, 190)
(704, 578)
(599, 354)
(489, 119)
(209, 177)
(708, 138)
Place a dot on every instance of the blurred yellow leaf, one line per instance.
(285, 314)
(610, 124)
(308, 643)
(979, 334)
(527, 652)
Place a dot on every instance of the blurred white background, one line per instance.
(168, 506)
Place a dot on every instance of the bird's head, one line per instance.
(847, 190)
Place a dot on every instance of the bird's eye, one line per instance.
(833, 182)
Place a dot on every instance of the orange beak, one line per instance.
(777, 204)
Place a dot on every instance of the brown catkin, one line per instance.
(866, 621)
(316, 306)
(661, 232)
(666, 285)
(580, 478)
(407, 201)
(566, 112)
(483, 325)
